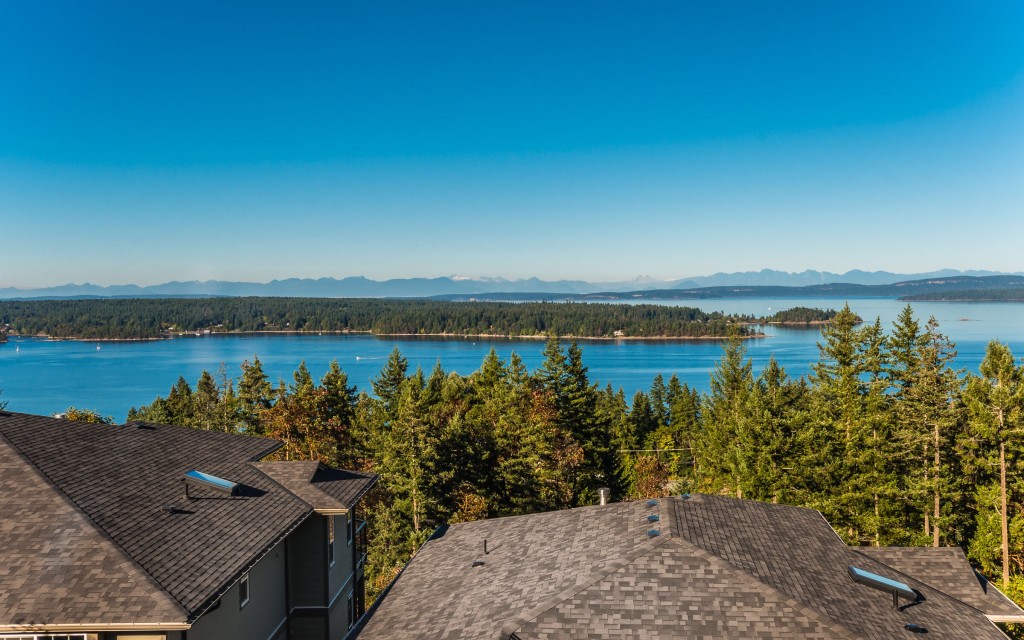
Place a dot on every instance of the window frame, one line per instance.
(244, 591)
(349, 528)
(331, 555)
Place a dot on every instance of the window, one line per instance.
(349, 526)
(330, 540)
(243, 591)
(351, 611)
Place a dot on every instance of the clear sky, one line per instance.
(142, 142)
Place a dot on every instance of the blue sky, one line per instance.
(145, 142)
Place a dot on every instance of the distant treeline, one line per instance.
(125, 319)
(973, 295)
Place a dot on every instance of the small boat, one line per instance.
(17, 348)
(97, 347)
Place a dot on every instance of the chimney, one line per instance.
(605, 495)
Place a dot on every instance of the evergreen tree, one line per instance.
(255, 394)
(777, 411)
(337, 410)
(684, 424)
(205, 400)
(659, 401)
(721, 459)
(994, 401)
(584, 441)
(926, 390)
(387, 385)
(623, 439)
(847, 442)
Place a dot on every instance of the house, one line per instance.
(149, 531)
(692, 566)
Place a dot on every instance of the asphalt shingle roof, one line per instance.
(323, 488)
(111, 488)
(57, 567)
(719, 568)
(948, 570)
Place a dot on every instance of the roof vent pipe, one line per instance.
(604, 494)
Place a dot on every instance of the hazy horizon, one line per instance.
(640, 279)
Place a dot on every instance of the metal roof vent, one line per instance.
(882, 583)
(199, 479)
(604, 495)
(684, 496)
(478, 563)
(653, 533)
(652, 503)
(914, 628)
(653, 517)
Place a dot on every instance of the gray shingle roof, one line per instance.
(720, 568)
(57, 567)
(948, 570)
(115, 483)
(323, 488)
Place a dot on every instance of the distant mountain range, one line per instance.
(965, 288)
(456, 286)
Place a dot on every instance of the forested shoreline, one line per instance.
(884, 437)
(145, 318)
(972, 295)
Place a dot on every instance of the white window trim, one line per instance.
(349, 529)
(332, 553)
(248, 590)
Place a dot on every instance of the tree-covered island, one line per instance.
(155, 318)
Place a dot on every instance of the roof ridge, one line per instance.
(62, 495)
(273, 444)
(583, 583)
(757, 583)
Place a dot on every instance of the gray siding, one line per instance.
(307, 563)
(341, 571)
(308, 628)
(261, 618)
(339, 615)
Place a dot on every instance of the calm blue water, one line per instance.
(41, 376)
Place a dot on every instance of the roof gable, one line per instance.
(325, 489)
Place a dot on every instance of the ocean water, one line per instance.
(43, 376)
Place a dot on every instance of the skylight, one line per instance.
(882, 583)
(199, 479)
